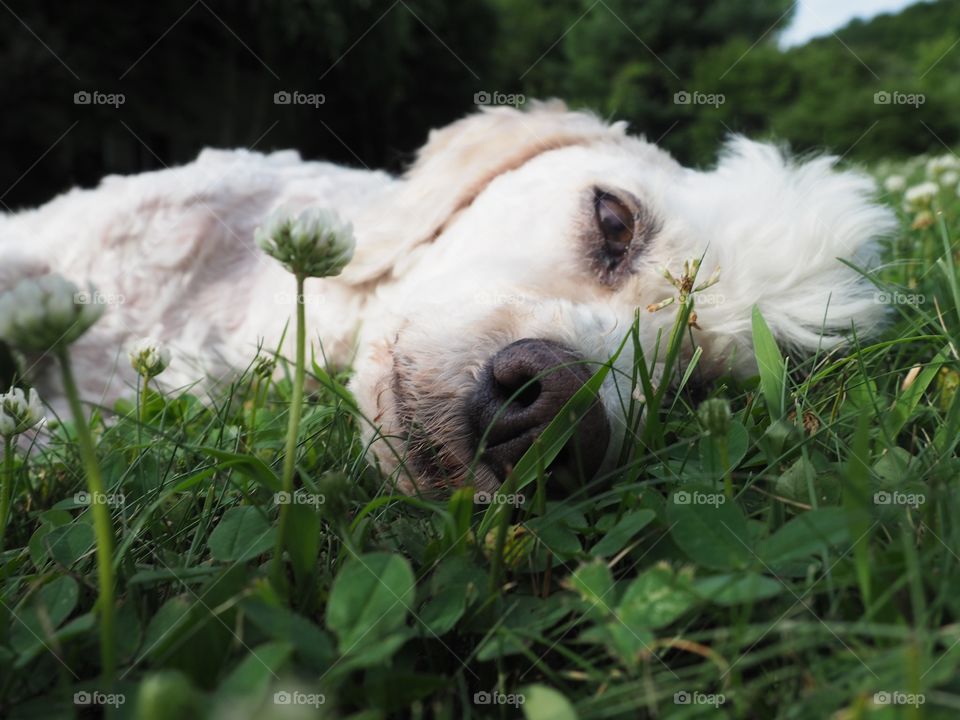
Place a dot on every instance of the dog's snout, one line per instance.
(523, 387)
(520, 390)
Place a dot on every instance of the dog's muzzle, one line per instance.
(520, 390)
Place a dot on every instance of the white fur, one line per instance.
(480, 244)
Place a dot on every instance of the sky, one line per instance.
(813, 18)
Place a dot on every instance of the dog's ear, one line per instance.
(453, 168)
(785, 234)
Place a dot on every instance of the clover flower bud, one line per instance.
(47, 312)
(920, 197)
(264, 366)
(315, 243)
(149, 357)
(943, 163)
(19, 411)
(715, 416)
(895, 184)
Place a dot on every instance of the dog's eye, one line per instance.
(616, 223)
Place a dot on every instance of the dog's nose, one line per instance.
(520, 390)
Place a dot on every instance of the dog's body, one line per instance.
(547, 227)
(171, 255)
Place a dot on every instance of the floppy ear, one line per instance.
(782, 232)
(453, 168)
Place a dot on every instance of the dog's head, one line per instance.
(514, 255)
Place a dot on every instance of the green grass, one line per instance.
(801, 596)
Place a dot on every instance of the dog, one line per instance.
(488, 281)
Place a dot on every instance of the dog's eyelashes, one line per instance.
(616, 223)
(618, 227)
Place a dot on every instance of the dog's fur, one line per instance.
(490, 237)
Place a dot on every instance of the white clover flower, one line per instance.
(315, 243)
(943, 163)
(949, 178)
(895, 183)
(149, 357)
(920, 197)
(19, 411)
(41, 314)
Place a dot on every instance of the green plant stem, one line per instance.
(725, 464)
(143, 399)
(293, 426)
(7, 487)
(252, 420)
(496, 562)
(101, 520)
(652, 431)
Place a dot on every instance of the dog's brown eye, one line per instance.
(616, 222)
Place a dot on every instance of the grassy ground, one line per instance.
(799, 560)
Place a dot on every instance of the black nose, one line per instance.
(520, 390)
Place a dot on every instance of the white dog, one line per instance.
(518, 242)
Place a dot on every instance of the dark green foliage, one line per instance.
(205, 74)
